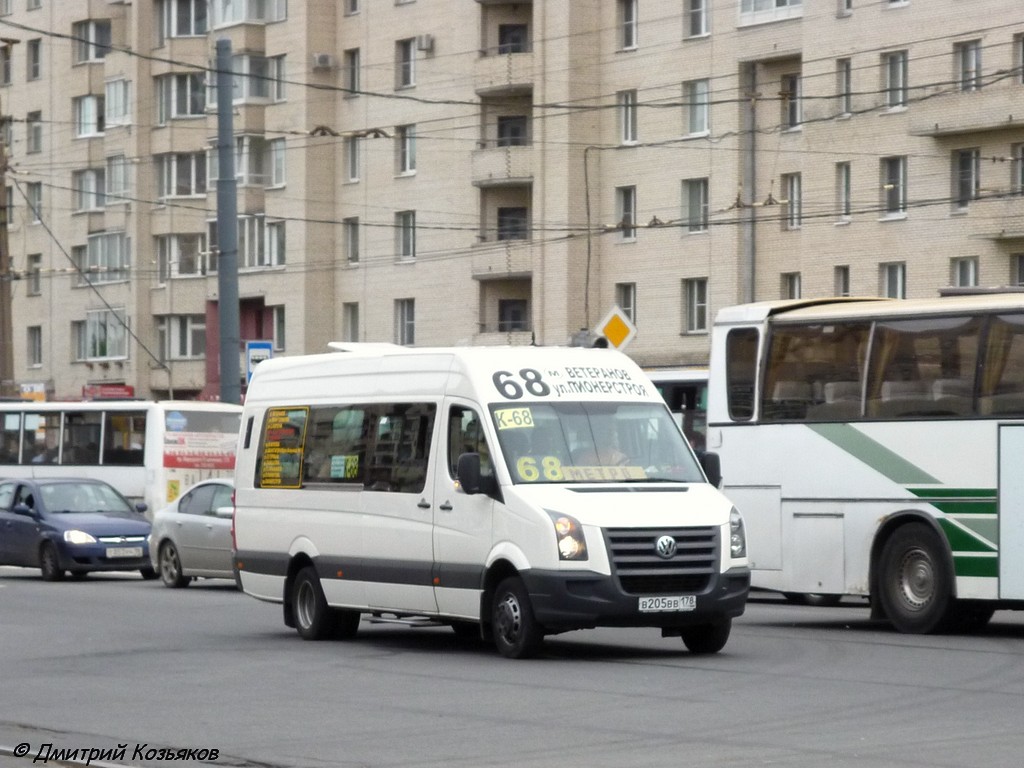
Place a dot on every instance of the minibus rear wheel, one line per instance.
(517, 634)
(314, 619)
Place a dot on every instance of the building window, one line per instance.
(352, 78)
(118, 179)
(628, 23)
(182, 255)
(405, 321)
(34, 5)
(117, 102)
(34, 283)
(278, 78)
(1017, 168)
(92, 40)
(350, 321)
(250, 82)
(34, 59)
(966, 177)
(792, 102)
(6, 7)
(627, 116)
(183, 336)
(512, 131)
(968, 65)
(894, 280)
(844, 203)
(695, 204)
(34, 195)
(101, 336)
(762, 11)
(88, 189)
(695, 305)
(405, 143)
(276, 153)
(181, 174)
(227, 12)
(791, 285)
(625, 297)
(405, 63)
(894, 185)
(181, 18)
(964, 272)
(34, 132)
(278, 313)
(353, 145)
(261, 242)
(5, 65)
(104, 259)
(257, 160)
(695, 18)
(697, 107)
(625, 205)
(34, 350)
(179, 96)
(841, 281)
(1017, 269)
(351, 229)
(513, 223)
(513, 38)
(894, 66)
(405, 226)
(844, 86)
(7, 133)
(88, 115)
(351, 7)
(513, 315)
(793, 206)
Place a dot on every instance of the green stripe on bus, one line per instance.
(986, 567)
(873, 453)
(955, 493)
(962, 541)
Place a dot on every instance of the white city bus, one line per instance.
(149, 450)
(875, 448)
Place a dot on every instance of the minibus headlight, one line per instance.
(79, 537)
(737, 535)
(569, 537)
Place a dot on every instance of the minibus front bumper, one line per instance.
(564, 601)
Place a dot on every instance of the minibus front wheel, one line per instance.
(517, 634)
(314, 619)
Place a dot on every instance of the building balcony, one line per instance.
(494, 166)
(997, 107)
(503, 73)
(490, 336)
(502, 260)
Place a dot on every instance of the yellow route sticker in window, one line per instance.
(513, 418)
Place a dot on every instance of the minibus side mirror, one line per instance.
(467, 472)
(712, 465)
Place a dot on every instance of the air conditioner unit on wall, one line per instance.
(323, 61)
(425, 42)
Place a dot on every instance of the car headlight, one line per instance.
(737, 535)
(79, 537)
(569, 537)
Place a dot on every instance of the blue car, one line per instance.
(75, 525)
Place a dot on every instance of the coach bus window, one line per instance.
(740, 372)
(11, 438)
(1002, 378)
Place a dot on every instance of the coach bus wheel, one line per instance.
(49, 562)
(707, 638)
(915, 582)
(812, 598)
(517, 634)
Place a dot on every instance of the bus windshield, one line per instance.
(593, 443)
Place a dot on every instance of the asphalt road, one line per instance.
(114, 661)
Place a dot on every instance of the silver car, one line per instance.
(192, 536)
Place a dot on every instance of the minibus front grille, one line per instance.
(641, 570)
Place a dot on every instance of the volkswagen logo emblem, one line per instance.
(665, 546)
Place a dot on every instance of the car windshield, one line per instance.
(593, 442)
(67, 498)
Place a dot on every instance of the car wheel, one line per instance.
(148, 573)
(49, 562)
(915, 583)
(314, 619)
(707, 638)
(517, 635)
(170, 567)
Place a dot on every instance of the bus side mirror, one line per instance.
(467, 472)
(712, 466)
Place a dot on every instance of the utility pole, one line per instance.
(227, 233)
(6, 310)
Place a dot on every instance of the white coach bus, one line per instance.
(149, 450)
(875, 447)
(508, 492)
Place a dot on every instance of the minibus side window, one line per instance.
(336, 441)
(466, 435)
(401, 447)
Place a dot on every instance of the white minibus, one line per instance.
(508, 492)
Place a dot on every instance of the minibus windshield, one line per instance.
(601, 442)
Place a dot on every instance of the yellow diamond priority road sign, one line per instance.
(617, 328)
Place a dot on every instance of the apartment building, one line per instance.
(478, 172)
